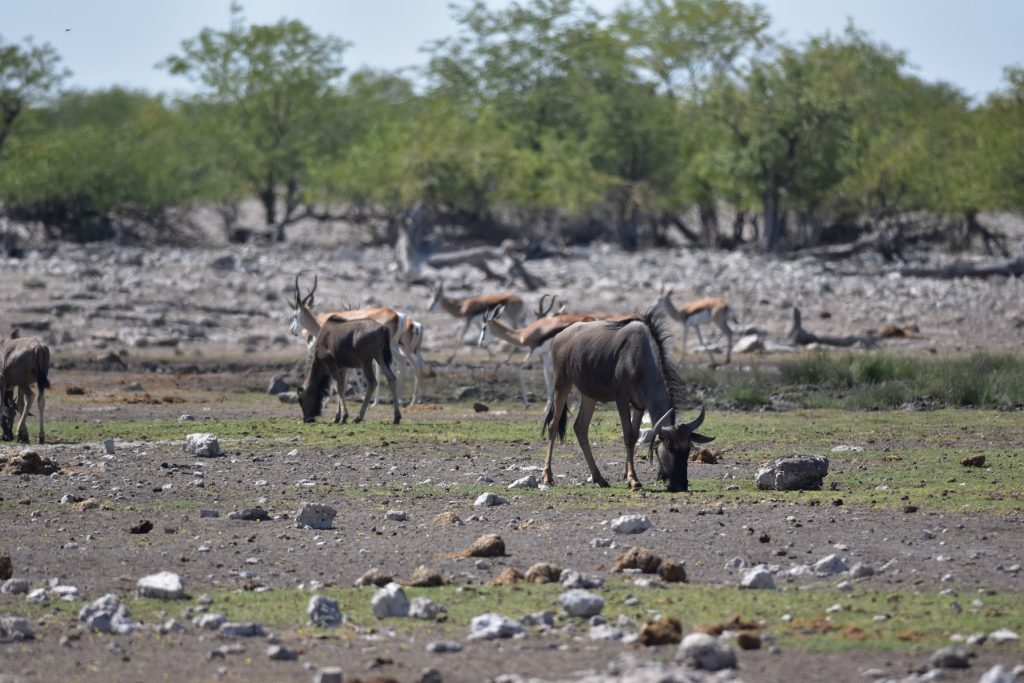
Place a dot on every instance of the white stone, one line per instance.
(162, 585)
(244, 629)
(315, 516)
(37, 596)
(529, 482)
(997, 674)
(202, 445)
(581, 603)
(425, 608)
(630, 524)
(801, 472)
(861, 570)
(845, 448)
(1003, 635)
(605, 632)
(210, 621)
(108, 446)
(488, 499)
(703, 651)
(830, 565)
(15, 628)
(390, 601)
(108, 615)
(396, 515)
(736, 563)
(758, 578)
(490, 626)
(15, 587)
(323, 611)
(748, 344)
(570, 578)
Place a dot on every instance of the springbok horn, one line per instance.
(696, 423)
(541, 311)
(309, 297)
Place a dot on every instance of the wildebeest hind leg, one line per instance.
(582, 428)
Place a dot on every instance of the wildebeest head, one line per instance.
(672, 444)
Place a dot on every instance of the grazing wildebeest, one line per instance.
(23, 362)
(340, 346)
(626, 362)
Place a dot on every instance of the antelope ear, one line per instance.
(700, 438)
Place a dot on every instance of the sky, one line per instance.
(119, 42)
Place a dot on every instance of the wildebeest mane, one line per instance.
(674, 384)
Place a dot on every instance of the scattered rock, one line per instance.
(315, 516)
(702, 651)
(758, 578)
(861, 570)
(605, 632)
(431, 675)
(396, 515)
(997, 674)
(186, 418)
(425, 608)
(490, 626)
(488, 545)
(208, 513)
(108, 446)
(281, 653)
(660, 631)
(143, 527)
(15, 587)
(323, 611)
(329, 674)
(830, 565)
(442, 646)
(211, 622)
(390, 601)
(108, 615)
(749, 343)
(202, 445)
(6, 567)
(797, 473)
(630, 524)
(374, 577)
(27, 462)
(507, 577)
(543, 572)
(527, 482)
(15, 628)
(288, 397)
(638, 558)
(581, 603)
(1004, 635)
(256, 514)
(973, 461)
(846, 448)
(162, 585)
(173, 626)
(950, 658)
(445, 519)
(489, 499)
(240, 629)
(425, 577)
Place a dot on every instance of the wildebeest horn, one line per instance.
(697, 423)
(655, 433)
(657, 425)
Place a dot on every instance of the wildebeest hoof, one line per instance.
(602, 482)
(396, 420)
(635, 485)
(357, 420)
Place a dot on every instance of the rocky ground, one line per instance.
(132, 326)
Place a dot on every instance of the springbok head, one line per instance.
(438, 294)
(490, 314)
(663, 297)
(298, 303)
(672, 444)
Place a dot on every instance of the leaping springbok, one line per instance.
(23, 362)
(472, 308)
(711, 309)
(308, 324)
(625, 362)
(340, 346)
(535, 336)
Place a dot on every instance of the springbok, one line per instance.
(472, 308)
(625, 362)
(535, 336)
(307, 324)
(711, 309)
(23, 362)
(340, 346)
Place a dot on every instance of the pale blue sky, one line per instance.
(118, 42)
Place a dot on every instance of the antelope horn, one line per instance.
(696, 423)
(309, 297)
(541, 312)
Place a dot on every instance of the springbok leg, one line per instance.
(458, 340)
(340, 379)
(392, 383)
(371, 385)
(629, 436)
(700, 338)
(22, 428)
(582, 428)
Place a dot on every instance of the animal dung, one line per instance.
(425, 577)
(488, 545)
(373, 577)
(973, 461)
(27, 462)
(507, 577)
(706, 456)
(661, 631)
(638, 558)
(543, 572)
(446, 518)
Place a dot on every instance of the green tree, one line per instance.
(267, 84)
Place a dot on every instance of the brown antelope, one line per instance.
(535, 336)
(340, 346)
(711, 309)
(625, 362)
(473, 307)
(306, 323)
(23, 362)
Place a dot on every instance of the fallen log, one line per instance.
(798, 335)
(1006, 268)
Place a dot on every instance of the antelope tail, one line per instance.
(563, 420)
(42, 360)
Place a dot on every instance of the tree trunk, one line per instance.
(771, 236)
(627, 226)
(708, 224)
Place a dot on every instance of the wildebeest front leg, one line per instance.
(371, 386)
(582, 428)
(28, 397)
(638, 416)
(629, 436)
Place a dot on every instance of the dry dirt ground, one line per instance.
(135, 326)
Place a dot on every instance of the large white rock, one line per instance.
(630, 524)
(315, 516)
(162, 585)
(488, 499)
(425, 608)
(581, 603)
(800, 472)
(706, 652)
(758, 578)
(748, 343)
(490, 626)
(528, 482)
(202, 445)
(323, 611)
(830, 565)
(108, 615)
(390, 601)
(15, 628)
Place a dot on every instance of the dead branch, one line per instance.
(1009, 267)
(798, 335)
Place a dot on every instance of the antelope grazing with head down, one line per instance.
(340, 346)
(535, 336)
(472, 308)
(711, 309)
(23, 362)
(626, 362)
(406, 335)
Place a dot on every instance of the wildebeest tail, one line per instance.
(563, 420)
(42, 360)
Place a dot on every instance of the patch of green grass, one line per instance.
(911, 619)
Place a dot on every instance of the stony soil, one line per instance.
(134, 325)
